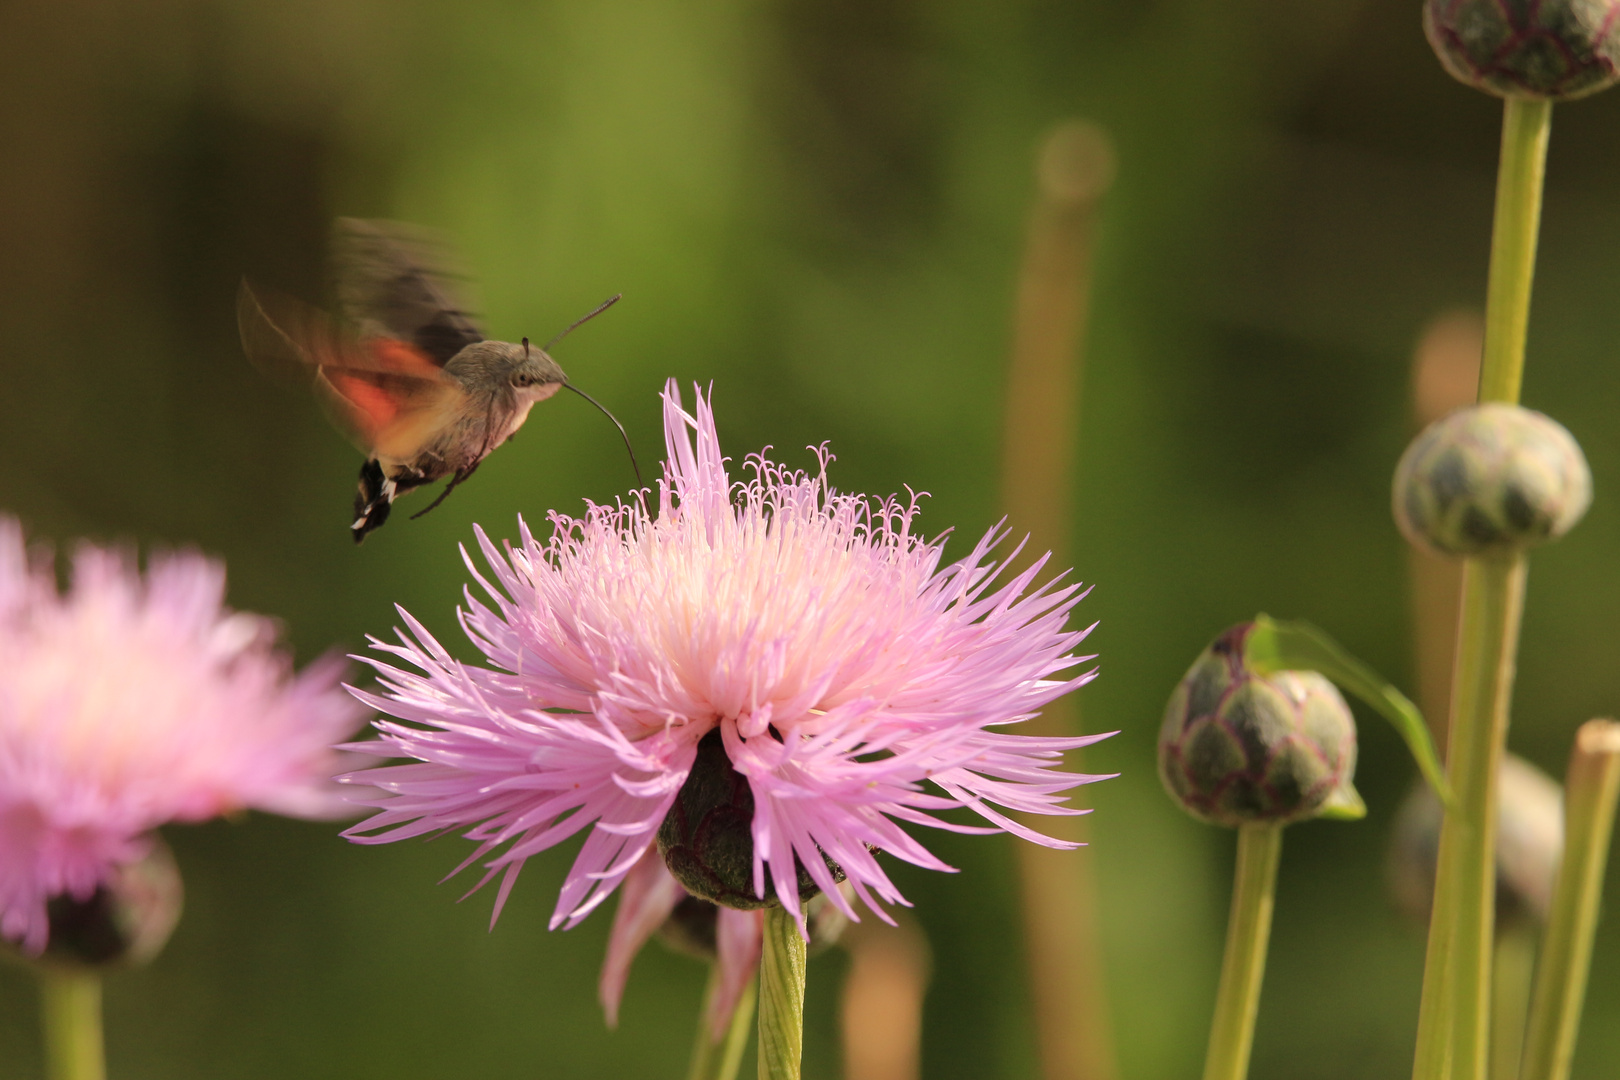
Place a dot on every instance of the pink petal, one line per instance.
(739, 936)
(646, 899)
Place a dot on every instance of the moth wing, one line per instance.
(372, 389)
(386, 415)
(398, 281)
(284, 347)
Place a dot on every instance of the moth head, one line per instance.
(533, 367)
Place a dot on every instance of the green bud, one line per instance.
(126, 921)
(1237, 747)
(707, 839)
(1529, 845)
(1553, 49)
(691, 927)
(1490, 480)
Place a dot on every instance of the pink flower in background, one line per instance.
(133, 700)
(801, 648)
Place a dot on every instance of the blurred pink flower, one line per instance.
(853, 682)
(131, 701)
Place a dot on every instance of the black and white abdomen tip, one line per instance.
(373, 500)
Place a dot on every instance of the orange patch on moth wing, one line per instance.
(392, 354)
(375, 406)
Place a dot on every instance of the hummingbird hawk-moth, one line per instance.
(407, 374)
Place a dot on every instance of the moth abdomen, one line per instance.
(373, 500)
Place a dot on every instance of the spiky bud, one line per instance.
(127, 919)
(1490, 480)
(1237, 747)
(707, 838)
(1553, 49)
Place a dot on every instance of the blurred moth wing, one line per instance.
(386, 395)
(400, 281)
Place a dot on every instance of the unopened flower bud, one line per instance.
(1237, 747)
(707, 838)
(1490, 480)
(127, 919)
(1529, 844)
(692, 927)
(1556, 49)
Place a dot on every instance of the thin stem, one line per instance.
(1437, 1010)
(1244, 965)
(1526, 125)
(1514, 966)
(72, 1015)
(718, 1058)
(1041, 424)
(1590, 792)
(742, 1024)
(781, 997)
(1445, 377)
(882, 1000)
(1453, 1022)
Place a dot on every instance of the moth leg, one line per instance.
(460, 475)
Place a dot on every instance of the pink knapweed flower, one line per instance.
(804, 639)
(133, 700)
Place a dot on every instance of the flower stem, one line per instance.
(72, 1015)
(1590, 792)
(1041, 422)
(1244, 965)
(718, 1059)
(1526, 125)
(1453, 1021)
(781, 997)
(1512, 970)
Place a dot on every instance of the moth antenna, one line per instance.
(610, 416)
(525, 348)
(581, 321)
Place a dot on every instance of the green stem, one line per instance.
(1244, 965)
(781, 997)
(1526, 125)
(1453, 1021)
(1513, 968)
(72, 1015)
(718, 1058)
(1437, 1010)
(1590, 793)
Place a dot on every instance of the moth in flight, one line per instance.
(406, 374)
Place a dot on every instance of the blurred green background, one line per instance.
(818, 205)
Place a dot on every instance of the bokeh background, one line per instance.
(818, 206)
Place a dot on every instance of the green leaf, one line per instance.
(1274, 646)
(1343, 805)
